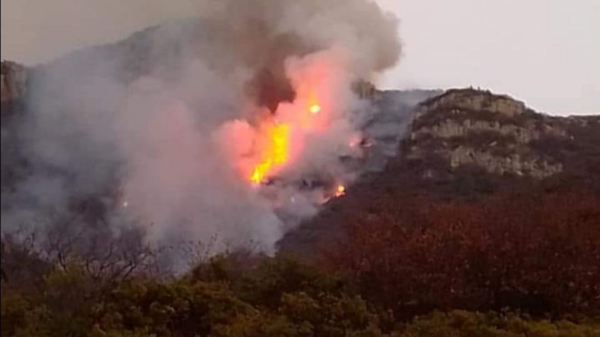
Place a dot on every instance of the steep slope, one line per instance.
(14, 91)
(466, 144)
(500, 136)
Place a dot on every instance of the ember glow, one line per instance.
(340, 190)
(355, 141)
(315, 109)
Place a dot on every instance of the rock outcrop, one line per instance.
(14, 91)
(495, 133)
(475, 100)
(14, 84)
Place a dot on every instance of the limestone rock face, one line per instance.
(476, 100)
(472, 128)
(513, 163)
(521, 134)
(14, 83)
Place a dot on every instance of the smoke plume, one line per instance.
(169, 128)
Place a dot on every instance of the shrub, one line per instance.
(530, 252)
(462, 323)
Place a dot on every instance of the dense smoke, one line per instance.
(165, 128)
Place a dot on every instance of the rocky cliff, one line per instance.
(497, 134)
(14, 90)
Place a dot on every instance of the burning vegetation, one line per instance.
(252, 106)
(285, 140)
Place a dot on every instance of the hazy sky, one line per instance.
(545, 52)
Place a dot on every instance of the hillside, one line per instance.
(236, 173)
(383, 126)
(462, 145)
(14, 91)
(500, 136)
(475, 216)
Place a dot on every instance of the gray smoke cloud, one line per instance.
(166, 126)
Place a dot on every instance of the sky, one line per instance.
(544, 52)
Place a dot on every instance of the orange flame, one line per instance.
(315, 109)
(274, 151)
(280, 137)
(340, 190)
(275, 145)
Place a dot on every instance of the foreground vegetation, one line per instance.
(507, 265)
(537, 253)
(230, 296)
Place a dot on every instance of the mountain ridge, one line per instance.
(466, 144)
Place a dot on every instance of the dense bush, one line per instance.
(291, 300)
(406, 264)
(462, 323)
(539, 253)
(279, 297)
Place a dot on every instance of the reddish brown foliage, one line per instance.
(532, 252)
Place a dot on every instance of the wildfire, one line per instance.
(315, 109)
(280, 137)
(340, 190)
(274, 151)
(274, 145)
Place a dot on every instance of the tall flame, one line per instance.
(274, 151)
(280, 138)
(275, 143)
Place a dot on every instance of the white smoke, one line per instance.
(163, 122)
